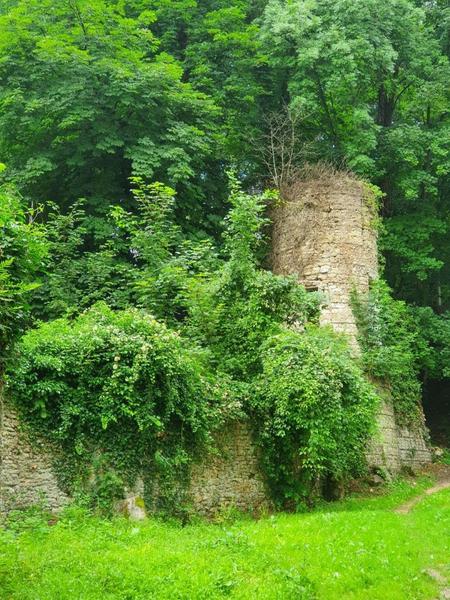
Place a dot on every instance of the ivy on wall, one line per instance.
(116, 385)
(314, 411)
(391, 348)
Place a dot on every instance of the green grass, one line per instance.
(356, 549)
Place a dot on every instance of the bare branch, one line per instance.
(282, 148)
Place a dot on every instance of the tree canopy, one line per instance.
(178, 90)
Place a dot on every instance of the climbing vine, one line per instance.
(116, 390)
(314, 411)
(391, 347)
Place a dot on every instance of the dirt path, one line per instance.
(442, 474)
(441, 580)
(408, 506)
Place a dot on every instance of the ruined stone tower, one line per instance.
(324, 234)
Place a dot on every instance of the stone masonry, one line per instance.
(26, 475)
(324, 234)
(231, 476)
(394, 447)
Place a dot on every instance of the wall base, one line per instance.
(396, 448)
(227, 478)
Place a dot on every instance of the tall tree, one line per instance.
(87, 100)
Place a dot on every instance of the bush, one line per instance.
(233, 311)
(314, 411)
(233, 321)
(119, 383)
(126, 259)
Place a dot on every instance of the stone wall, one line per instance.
(324, 234)
(26, 474)
(395, 447)
(230, 476)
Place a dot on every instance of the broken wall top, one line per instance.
(324, 234)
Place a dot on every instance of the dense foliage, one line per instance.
(88, 99)
(236, 308)
(311, 406)
(118, 383)
(93, 92)
(100, 99)
(146, 260)
(123, 393)
(176, 90)
(314, 411)
(23, 249)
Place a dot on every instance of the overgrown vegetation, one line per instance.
(23, 249)
(102, 99)
(402, 346)
(392, 349)
(314, 411)
(96, 91)
(116, 383)
(144, 394)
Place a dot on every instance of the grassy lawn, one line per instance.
(357, 549)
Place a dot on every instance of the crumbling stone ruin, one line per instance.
(227, 478)
(323, 234)
(26, 473)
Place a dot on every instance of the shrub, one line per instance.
(233, 321)
(314, 411)
(118, 383)
(125, 260)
